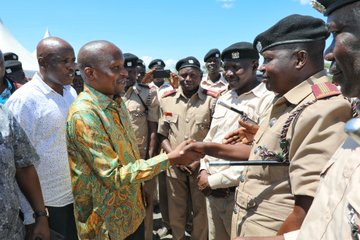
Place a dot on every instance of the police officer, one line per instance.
(303, 129)
(338, 217)
(161, 85)
(185, 114)
(141, 69)
(14, 70)
(214, 81)
(143, 106)
(247, 94)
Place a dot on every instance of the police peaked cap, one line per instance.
(188, 62)
(213, 53)
(292, 29)
(140, 63)
(156, 62)
(10, 56)
(328, 6)
(240, 50)
(12, 66)
(130, 60)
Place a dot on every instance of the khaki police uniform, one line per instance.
(140, 116)
(265, 195)
(335, 211)
(220, 86)
(185, 118)
(224, 179)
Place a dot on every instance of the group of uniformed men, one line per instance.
(284, 130)
(300, 126)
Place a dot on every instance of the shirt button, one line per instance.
(242, 178)
(186, 137)
(187, 120)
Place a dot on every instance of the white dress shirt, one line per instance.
(254, 103)
(42, 114)
(166, 86)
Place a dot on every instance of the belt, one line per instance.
(222, 192)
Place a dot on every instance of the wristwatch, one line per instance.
(41, 213)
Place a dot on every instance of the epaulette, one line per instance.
(211, 93)
(168, 93)
(324, 90)
(143, 85)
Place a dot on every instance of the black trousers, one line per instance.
(139, 234)
(62, 220)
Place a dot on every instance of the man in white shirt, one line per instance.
(247, 94)
(160, 84)
(214, 80)
(41, 108)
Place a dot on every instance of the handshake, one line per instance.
(191, 151)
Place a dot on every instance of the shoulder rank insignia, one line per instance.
(324, 90)
(211, 93)
(168, 93)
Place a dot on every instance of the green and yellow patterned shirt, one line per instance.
(106, 170)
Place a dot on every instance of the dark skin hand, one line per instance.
(224, 151)
(293, 221)
(178, 157)
(189, 169)
(245, 134)
(203, 181)
(29, 184)
(153, 139)
(148, 77)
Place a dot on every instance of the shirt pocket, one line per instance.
(173, 119)
(219, 114)
(203, 122)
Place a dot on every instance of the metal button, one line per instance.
(242, 178)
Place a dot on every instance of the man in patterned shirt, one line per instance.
(104, 158)
(17, 159)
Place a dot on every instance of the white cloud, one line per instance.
(227, 3)
(304, 2)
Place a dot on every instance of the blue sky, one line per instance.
(167, 29)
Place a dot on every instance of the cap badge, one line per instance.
(259, 46)
(129, 64)
(191, 61)
(14, 57)
(217, 55)
(318, 6)
(158, 63)
(235, 55)
(8, 70)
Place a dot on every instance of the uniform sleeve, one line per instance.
(89, 144)
(153, 114)
(318, 133)
(163, 127)
(226, 178)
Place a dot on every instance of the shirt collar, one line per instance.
(222, 81)
(199, 93)
(301, 91)
(46, 89)
(100, 99)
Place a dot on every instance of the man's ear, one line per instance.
(89, 73)
(255, 65)
(301, 59)
(42, 62)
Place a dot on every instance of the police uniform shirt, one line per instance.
(138, 116)
(220, 86)
(254, 103)
(184, 118)
(265, 196)
(335, 210)
(165, 87)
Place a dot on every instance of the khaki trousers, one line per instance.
(219, 212)
(179, 192)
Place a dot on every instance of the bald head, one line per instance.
(95, 53)
(50, 46)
